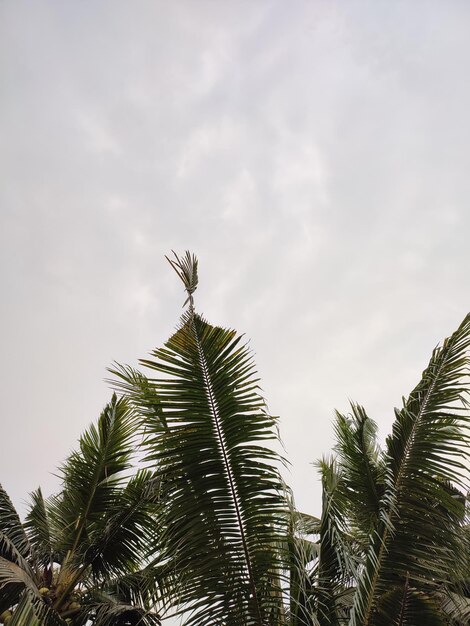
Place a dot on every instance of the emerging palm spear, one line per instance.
(209, 531)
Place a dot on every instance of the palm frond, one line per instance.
(144, 587)
(102, 608)
(456, 608)
(11, 526)
(38, 530)
(305, 524)
(404, 605)
(31, 611)
(140, 394)
(9, 551)
(93, 475)
(222, 495)
(335, 568)
(362, 467)
(302, 550)
(13, 581)
(418, 534)
(223, 492)
(120, 542)
(454, 598)
(109, 614)
(16, 574)
(24, 613)
(12, 573)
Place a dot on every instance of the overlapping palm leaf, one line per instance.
(303, 551)
(12, 533)
(77, 543)
(362, 470)
(336, 566)
(223, 509)
(93, 475)
(207, 529)
(418, 539)
(38, 529)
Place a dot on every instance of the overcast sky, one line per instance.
(314, 155)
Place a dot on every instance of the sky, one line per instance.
(314, 155)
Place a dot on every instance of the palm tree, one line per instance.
(391, 546)
(209, 530)
(223, 516)
(78, 557)
(393, 541)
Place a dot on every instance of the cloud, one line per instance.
(315, 157)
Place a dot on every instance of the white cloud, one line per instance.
(97, 137)
(316, 158)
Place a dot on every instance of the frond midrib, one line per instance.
(385, 535)
(213, 405)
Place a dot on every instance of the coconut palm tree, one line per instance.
(209, 530)
(391, 546)
(223, 516)
(78, 557)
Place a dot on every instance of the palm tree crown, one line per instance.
(223, 509)
(207, 529)
(78, 556)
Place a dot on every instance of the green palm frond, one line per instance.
(302, 551)
(120, 542)
(336, 566)
(93, 475)
(13, 581)
(454, 598)
(418, 536)
(362, 467)
(15, 550)
(103, 608)
(222, 496)
(222, 491)
(25, 614)
(117, 614)
(404, 605)
(455, 607)
(140, 394)
(11, 527)
(12, 573)
(38, 530)
(31, 611)
(144, 587)
(9, 552)
(306, 524)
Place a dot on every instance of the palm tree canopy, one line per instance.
(206, 528)
(223, 516)
(67, 559)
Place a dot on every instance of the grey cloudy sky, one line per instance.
(316, 157)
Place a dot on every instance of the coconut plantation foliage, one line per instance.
(80, 553)
(173, 504)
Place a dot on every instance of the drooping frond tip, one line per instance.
(186, 268)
